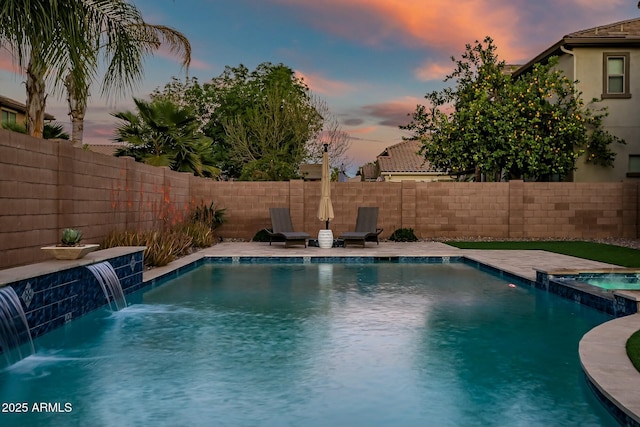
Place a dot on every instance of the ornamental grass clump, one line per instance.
(175, 236)
(201, 234)
(160, 247)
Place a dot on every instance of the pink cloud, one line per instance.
(599, 5)
(519, 28)
(98, 131)
(166, 53)
(434, 71)
(320, 84)
(8, 63)
(393, 113)
(434, 24)
(200, 65)
(363, 130)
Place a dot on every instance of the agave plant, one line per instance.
(71, 237)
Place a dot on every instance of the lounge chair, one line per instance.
(282, 229)
(366, 227)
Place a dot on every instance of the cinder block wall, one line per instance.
(28, 197)
(462, 209)
(575, 210)
(46, 186)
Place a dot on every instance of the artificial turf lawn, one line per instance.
(611, 254)
(633, 349)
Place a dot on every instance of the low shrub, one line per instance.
(403, 235)
(261, 236)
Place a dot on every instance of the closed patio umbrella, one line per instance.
(325, 211)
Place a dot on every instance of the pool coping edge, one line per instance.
(609, 371)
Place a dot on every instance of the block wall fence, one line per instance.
(46, 186)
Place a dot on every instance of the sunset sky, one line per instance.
(372, 61)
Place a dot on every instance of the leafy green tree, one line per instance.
(473, 137)
(257, 119)
(487, 124)
(164, 134)
(269, 137)
(553, 126)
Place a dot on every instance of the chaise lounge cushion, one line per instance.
(282, 229)
(366, 227)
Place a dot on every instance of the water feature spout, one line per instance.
(14, 329)
(110, 284)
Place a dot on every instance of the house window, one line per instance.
(615, 75)
(8, 116)
(634, 165)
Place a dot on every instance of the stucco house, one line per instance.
(401, 162)
(605, 61)
(14, 111)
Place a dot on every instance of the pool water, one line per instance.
(316, 345)
(614, 284)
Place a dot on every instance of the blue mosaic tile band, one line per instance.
(571, 287)
(51, 300)
(622, 417)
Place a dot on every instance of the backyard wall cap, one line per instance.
(16, 274)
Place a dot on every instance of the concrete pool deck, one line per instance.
(521, 263)
(602, 350)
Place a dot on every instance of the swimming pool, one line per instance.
(316, 344)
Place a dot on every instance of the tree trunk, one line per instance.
(36, 100)
(478, 174)
(77, 109)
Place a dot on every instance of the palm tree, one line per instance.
(63, 41)
(164, 134)
(124, 56)
(35, 31)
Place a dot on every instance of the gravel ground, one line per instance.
(627, 243)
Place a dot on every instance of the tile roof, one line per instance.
(618, 34)
(403, 157)
(627, 29)
(369, 172)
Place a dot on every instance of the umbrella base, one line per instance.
(337, 243)
(325, 239)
